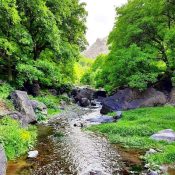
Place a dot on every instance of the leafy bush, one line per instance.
(52, 103)
(19, 141)
(5, 90)
(45, 51)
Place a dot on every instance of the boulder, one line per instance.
(93, 103)
(83, 95)
(23, 105)
(33, 89)
(84, 102)
(130, 99)
(153, 173)
(118, 115)
(100, 93)
(164, 135)
(3, 161)
(39, 106)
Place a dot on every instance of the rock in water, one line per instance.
(32, 154)
(84, 102)
(23, 105)
(81, 93)
(3, 161)
(101, 119)
(164, 135)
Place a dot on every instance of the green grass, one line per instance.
(52, 103)
(16, 140)
(136, 127)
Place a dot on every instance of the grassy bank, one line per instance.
(136, 127)
(16, 140)
(52, 102)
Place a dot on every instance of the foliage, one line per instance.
(93, 76)
(5, 90)
(19, 141)
(40, 41)
(52, 103)
(141, 46)
(136, 127)
(81, 67)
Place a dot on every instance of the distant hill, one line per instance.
(99, 47)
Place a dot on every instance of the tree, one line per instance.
(141, 44)
(38, 37)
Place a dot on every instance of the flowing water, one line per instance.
(68, 150)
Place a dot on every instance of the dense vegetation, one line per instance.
(40, 41)
(141, 46)
(81, 68)
(18, 142)
(136, 127)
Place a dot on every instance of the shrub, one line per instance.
(5, 90)
(19, 141)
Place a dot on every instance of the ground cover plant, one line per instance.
(136, 127)
(19, 141)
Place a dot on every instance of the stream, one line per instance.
(67, 149)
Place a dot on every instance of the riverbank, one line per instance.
(67, 149)
(136, 127)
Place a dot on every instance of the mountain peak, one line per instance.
(99, 47)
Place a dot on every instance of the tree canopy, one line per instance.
(40, 40)
(141, 45)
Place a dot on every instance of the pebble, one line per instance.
(32, 154)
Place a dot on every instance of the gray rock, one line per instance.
(153, 173)
(39, 106)
(3, 161)
(118, 115)
(164, 135)
(23, 105)
(32, 154)
(100, 93)
(79, 93)
(151, 151)
(101, 119)
(131, 99)
(84, 102)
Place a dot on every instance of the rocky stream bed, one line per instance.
(67, 149)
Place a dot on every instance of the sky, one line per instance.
(101, 16)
